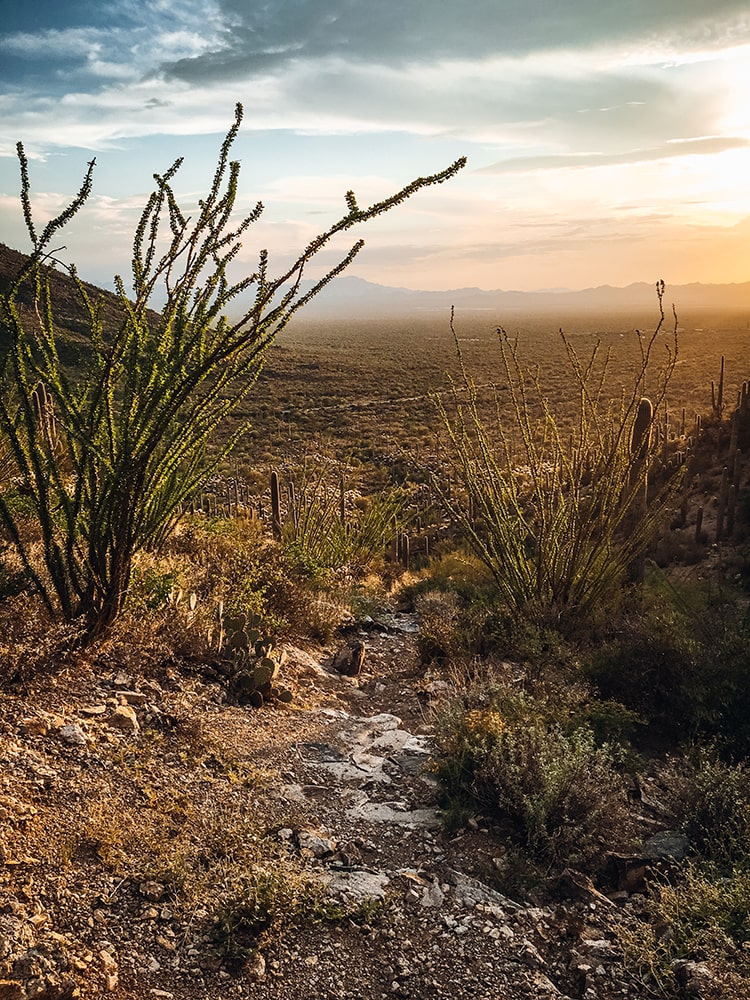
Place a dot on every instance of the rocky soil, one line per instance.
(128, 793)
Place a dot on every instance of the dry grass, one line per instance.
(700, 918)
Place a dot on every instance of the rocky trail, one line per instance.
(126, 795)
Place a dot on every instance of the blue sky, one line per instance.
(608, 142)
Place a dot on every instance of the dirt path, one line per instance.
(340, 781)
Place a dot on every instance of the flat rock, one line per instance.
(358, 885)
(471, 892)
(666, 844)
(384, 812)
(133, 697)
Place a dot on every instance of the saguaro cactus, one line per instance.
(640, 443)
(722, 504)
(699, 538)
(717, 394)
(275, 506)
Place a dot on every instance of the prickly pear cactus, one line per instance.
(255, 661)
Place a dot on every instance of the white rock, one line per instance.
(73, 735)
(359, 885)
(315, 845)
(433, 895)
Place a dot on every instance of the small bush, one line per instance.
(514, 638)
(681, 662)
(555, 793)
(330, 535)
(472, 622)
(262, 901)
(610, 721)
(711, 803)
(702, 918)
(438, 616)
(234, 562)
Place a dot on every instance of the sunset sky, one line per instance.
(608, 141)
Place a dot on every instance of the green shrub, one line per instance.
(155, 586)
(711, 804)
(538, 644)
(235, 562)
(702, 917)
(322, 538)
(681, 662)
(261, 902)
(610, 721)
(556, 794)
(438, 613)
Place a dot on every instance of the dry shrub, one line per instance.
(227, 877)
(701, 918)
(681, 660)
(710, 801)
(554, 792)
(30, 642)
(438, 613)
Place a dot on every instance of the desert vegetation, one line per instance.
(567, 515)
(109, 454)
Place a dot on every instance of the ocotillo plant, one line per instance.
(318, 539)
(135, 424)
(557, 524)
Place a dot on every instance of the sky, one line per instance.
(608, 141)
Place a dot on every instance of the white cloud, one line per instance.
(61, 43)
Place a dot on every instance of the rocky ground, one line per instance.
(135, 800)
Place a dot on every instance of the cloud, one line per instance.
(118, 41)
(394, 33)
(67, 43)
(534, 79)
(707, 145)
(363, 94)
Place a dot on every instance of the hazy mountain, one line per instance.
(350, 298)
(355, 297)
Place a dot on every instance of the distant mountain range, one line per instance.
(356, 298)
(349, 297)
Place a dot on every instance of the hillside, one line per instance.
(67, 305)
